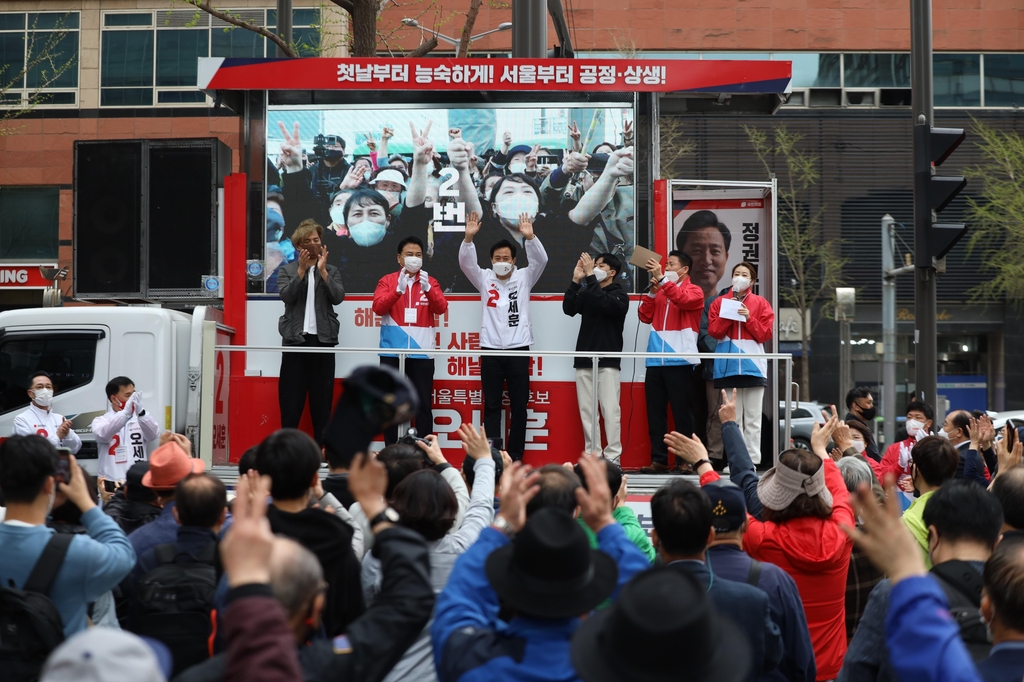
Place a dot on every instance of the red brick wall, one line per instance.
(748, 25)
(38, 151)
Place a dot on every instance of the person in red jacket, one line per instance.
(796, 511)
(673, 308)
(897, 460)
(740, 336)
(408, 300)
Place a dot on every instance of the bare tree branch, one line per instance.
(467, 28)
(45, 62)
(423, 49)
(346, 5)
(241, 23)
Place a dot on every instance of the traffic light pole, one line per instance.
(924, 276)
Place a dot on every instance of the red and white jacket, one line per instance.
(741, 337)
(674, 315)
(409, 314)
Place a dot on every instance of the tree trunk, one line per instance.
(805, 369)
(467, 28)
(364, 28)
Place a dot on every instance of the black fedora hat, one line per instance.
(549, 570)
(662, 627)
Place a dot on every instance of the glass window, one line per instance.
(957, 80)
(876, 70)
(307, 40)
(127, 59)
(70, 360)
(300, 17)
(126, 97)
(128, 19)
(177, 54)
(13, 21)
(801, 413)
(53, 20)
(12, 60)
(235, 42)
(812, 70)
(60, 68)
(179, 97)
(1004, 80)
(29, 222)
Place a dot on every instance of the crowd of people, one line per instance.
(832, 565)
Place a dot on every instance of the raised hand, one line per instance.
(353, 178)
(368, 481)
(291, 148)
(595, 500)
(370, 143)
(577, 273)
(988, 432)
(526, 225)
(576, 137)
(472, 226)
(518, 486)
(974, 432)
(247, 545)
(841, 437)
(531, 159)
(821, 435)
(627, 133)
(588, 264)
(432, 449)
(423, 147)
(321, 262)
(620, 163)
(474, 442)
(455, 133)
(458, 154)
(64, 429)
(506, 142)
(727, 412)
(654, 267)
(306, 261)
(690, 449)
(574, 162)
(387, 134)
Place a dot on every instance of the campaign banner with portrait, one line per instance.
(719, 229)
(372, 177)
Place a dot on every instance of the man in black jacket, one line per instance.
(596, 295)
(375, 641)
(133, 505)
(292, 460)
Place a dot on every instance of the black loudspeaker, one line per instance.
(108, 219)
(171, 237)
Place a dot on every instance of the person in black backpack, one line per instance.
(133, 505)
(48, 580)
(963, 521)
(174, 584)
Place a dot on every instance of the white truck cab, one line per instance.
(82, 348)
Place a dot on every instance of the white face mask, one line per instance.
(600, 275)
(740, 284)
(517, 167)
(511, 207)
(43, 397)
(338, 215)
(413, 264)
(859, 446)
(367, 232)
(366, 176)
(672, 275)
(942, 433)
(501, 269)
(914, 427)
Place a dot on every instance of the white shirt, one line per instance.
(36, 421)
(309, 323)
(506, 303)
(121, 439)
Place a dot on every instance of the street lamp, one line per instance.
(412, 23)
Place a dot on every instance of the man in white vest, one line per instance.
(40, 420)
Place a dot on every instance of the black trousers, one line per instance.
(421, 373)
(305, 374)
(495, 373)
(665, 386)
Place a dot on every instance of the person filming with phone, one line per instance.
(40, 419)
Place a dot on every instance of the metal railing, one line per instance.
(595, 357)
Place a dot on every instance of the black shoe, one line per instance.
(656, 468)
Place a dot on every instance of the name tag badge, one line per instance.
(410, 315)
(121, 454)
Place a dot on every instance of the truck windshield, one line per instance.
(70, 360)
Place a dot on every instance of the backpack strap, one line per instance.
(48, 565)
(754, 576)
(165, 554)
(962, 577)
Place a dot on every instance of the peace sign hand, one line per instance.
(423, 147)
(291, 148)
(370, 143)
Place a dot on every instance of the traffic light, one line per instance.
(932, 193)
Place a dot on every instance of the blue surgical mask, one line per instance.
(338, 215)
(367, 232)
(511, 207)
(517, 167)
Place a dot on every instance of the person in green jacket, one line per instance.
(623, 515)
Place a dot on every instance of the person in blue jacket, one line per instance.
(546, 578)
(1003, 612)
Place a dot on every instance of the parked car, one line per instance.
(801, 423)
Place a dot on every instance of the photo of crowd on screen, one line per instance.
(719, 234)
(371, 178)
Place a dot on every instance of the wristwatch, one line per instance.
(504, 526)
(696, 465)
(389, 515)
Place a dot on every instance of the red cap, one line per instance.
(169, 464)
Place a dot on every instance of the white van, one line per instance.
(167, 354)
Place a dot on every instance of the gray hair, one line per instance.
(856, 470)
(295, 575)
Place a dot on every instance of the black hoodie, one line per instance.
(330, 539)
(604, 312)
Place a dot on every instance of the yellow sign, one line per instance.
(906, 315)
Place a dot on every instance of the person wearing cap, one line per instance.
(408, 300)
(94, 563)
(726, 559)
(124, 431)
(795, 512)
(170, 463)
(663, 628)
(392, 184)
(109, 655)
(683, 528)
(543, 572)
(133, 505)
(40, 420)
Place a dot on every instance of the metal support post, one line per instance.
(595, 422)
(924, 278)
(530, 29)
(284, 24)
(789, 406)
(888, 330)
(845, 361)
(403, 428)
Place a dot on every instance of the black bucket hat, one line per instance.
(662, 627)
(550, 571)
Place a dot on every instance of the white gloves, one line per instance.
(136, 400)
(424, 281)
(403, 281)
